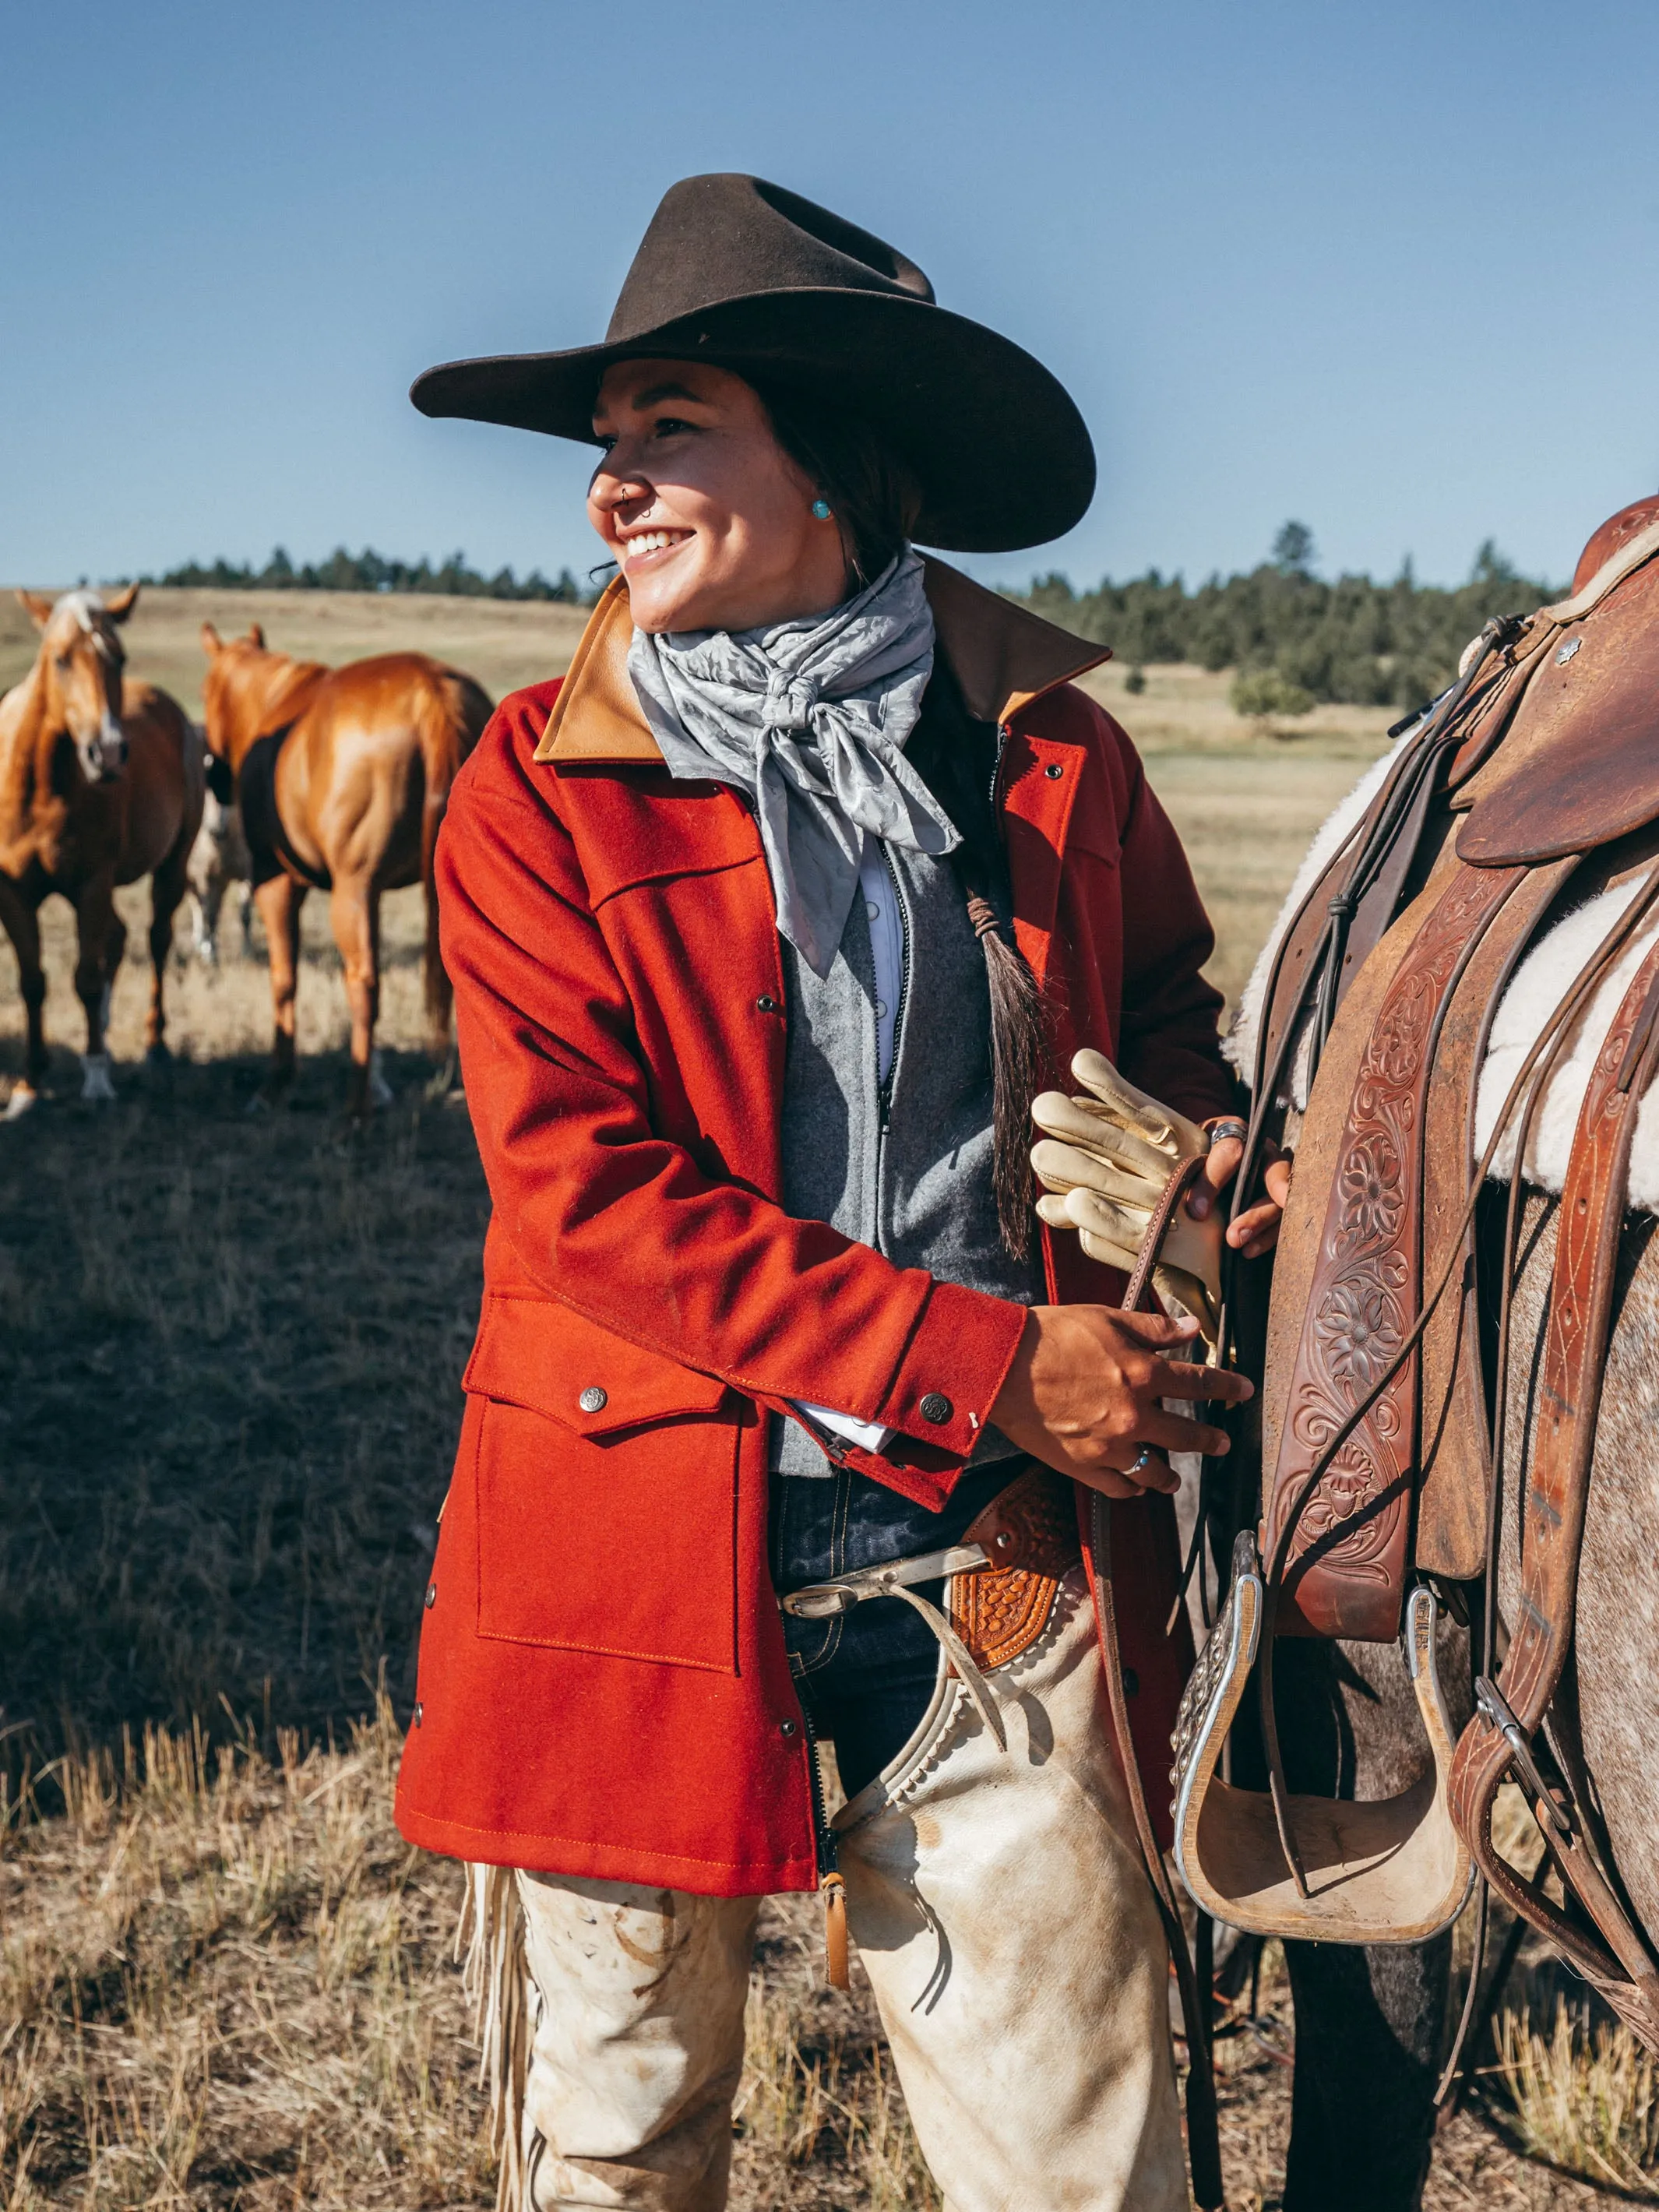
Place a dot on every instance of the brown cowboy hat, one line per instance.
(757, 280)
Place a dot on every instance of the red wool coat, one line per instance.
(603, 1686)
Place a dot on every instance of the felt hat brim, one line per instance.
(1003, 457)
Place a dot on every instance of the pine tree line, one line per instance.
(1354, 640)
(369, 571)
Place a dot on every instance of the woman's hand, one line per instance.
(1256, 1229)
(1085, 1393)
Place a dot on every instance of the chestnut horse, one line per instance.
(100, 782)
(342, 776)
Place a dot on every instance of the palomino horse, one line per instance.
(1456, 1023)
(100, 782)
(342, 777)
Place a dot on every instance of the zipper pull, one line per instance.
(833, 1890)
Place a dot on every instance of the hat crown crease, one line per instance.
(779, 241)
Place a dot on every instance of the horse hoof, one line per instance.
(96, 1088)
(24, 1097)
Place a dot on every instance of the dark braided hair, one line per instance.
(875, 499)
(956, 758)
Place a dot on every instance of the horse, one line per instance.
(100, 783)
(342, 777)
(218, 859)
(1455, 1026)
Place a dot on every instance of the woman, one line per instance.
(764, 925)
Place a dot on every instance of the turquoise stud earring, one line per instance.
(821, 508)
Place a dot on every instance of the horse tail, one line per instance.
(457, 710)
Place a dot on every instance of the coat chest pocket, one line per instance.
(606, 1480)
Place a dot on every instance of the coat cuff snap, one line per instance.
(953, 1368)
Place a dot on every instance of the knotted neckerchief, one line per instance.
(810, 717)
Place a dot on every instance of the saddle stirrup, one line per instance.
(1393, 1870)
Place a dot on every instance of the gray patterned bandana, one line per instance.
(810, 718)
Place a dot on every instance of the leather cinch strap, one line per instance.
(1498, 1742)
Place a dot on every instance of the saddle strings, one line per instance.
(1549, 1041)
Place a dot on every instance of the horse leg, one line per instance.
(1369, 2022)
(279, 901)
(167, 889)
(102, 938)
(204, 905)
(354, 911)
(23, 925)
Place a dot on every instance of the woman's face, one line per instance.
(709, 519)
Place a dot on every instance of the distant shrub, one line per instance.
(1135, 682)
(1263, 693)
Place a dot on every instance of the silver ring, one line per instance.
(1142, 1458)
(1229, 1127)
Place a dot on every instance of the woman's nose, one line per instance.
(613, 489)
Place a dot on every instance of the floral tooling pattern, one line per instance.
(1365, 1295)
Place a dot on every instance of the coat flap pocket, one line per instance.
(537, 1353)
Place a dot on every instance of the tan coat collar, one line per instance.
(1002, 656)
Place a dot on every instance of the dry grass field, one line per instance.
(229, 1349)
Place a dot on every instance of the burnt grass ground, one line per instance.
(230, 1347)
(229, 1352)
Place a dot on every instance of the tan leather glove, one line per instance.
(1104, 1161)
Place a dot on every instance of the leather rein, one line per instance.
(1193, 1975)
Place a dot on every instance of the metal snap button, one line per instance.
(936, 1406)
(593, 1400)
(420, 1715)
(765, 1004)
(432, 1594)
(1053, 771)
(786, 1728)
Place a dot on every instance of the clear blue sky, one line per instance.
(1390, 269)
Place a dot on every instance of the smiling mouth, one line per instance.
(647, 542)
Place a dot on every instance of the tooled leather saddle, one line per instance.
(1538, 772)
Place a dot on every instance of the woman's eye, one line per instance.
(667, 426)
(607, 444)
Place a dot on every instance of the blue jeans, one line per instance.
(866, 1676)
